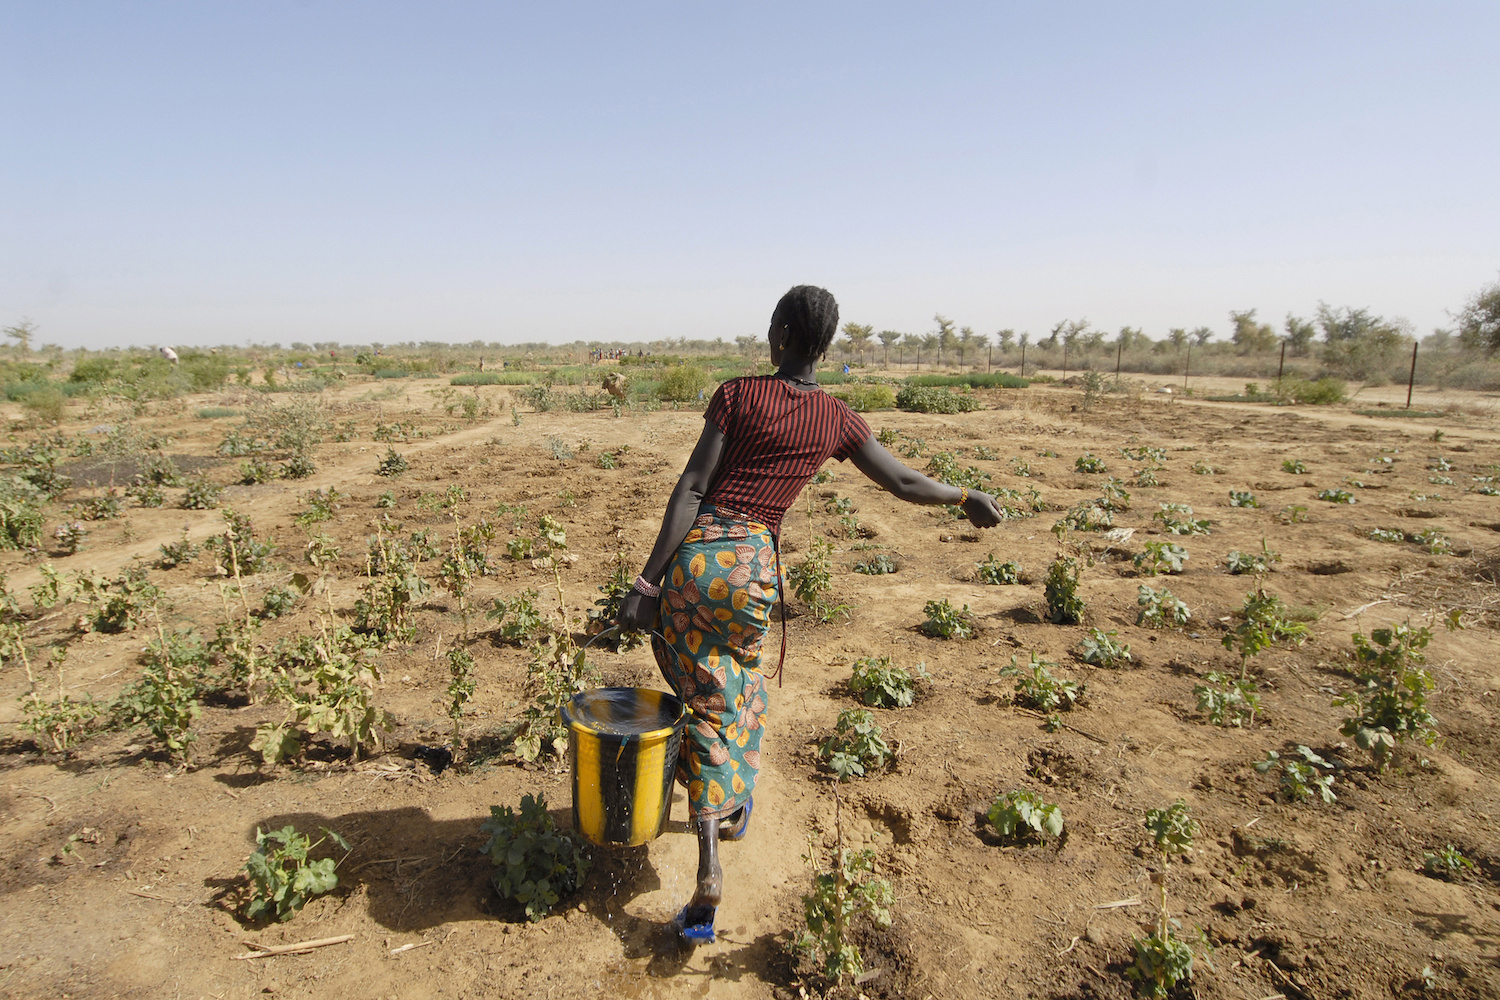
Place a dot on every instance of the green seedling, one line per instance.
(1258, 563)
(536, 864)
(1448, 863)
(1336, 496)
(391, 464)
(880, 684)
(847, 890)
(1292, 514)
(1160, 558)
(1088, 462)
(856, 747)
(1391, 701)
(1101, 649)
(283, 878)
(876, 565)
(1162, 960)
(944, 621)
(1242, 498)
(1264, 621)
(1037, 688)
(1387, 535)
(1177, 519)
(1294, 466)
(1022, 815)
(997, 573)
(1060, 591)
(1228, 701)
(1202, 468)
(1160, 608)
(518, 619)
(1301, 779)
(812, 581)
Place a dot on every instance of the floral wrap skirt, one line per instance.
(714, 610)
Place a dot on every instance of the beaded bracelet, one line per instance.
(963, 495)
(643, 587)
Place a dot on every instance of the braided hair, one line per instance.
(811, 318)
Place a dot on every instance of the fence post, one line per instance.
(1412, 380)
(1023, 360)
(1186, 364)
(1119, 353)
(1280, 368)
(989, 361)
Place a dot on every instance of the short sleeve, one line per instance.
(721, 408)
(855, 432)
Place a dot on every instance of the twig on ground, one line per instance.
(1071, 729)
(1118, 903)
(269, 951)
(38, 795)
(150, 895)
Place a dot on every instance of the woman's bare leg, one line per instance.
(710, 875)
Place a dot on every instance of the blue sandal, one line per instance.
(732, 829)
(696, 934)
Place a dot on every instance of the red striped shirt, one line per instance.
(778, 438)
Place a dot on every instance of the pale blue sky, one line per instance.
(198, 173)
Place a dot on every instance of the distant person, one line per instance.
(169, 354)
(712, 578)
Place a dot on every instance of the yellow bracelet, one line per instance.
(963, 495)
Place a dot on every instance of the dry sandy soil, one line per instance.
(120, 871)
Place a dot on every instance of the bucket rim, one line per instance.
(664, 732)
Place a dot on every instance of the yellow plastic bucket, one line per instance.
(622, 751)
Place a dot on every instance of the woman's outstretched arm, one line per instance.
(638, 610)
(910, 485)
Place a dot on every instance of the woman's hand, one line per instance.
(637, 612)
(982, 510)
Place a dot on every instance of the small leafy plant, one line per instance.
(1336, 496)
(1264, 621)
(1101, 649)
(1294, 466)
(1391, 701)
(812, 580)
(536, 864)
(201, 495)
(996, 573)
(518, 619)
(1258, 563)
(857, 745)
(1449, 863)
(1037, 688)
(282, 878)
(391, 464)
(880, 684)
(1177, 519)
(877, 565)
(1060, 591)
(1089, 462)
(1228, 701)
(1160, 608)
(844, 892)
(1301, 779)
(944, 621)
(1022, 815)
(1162, 960)
(1242, 498)
(1160, 558)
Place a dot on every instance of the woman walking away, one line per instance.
(711, 579)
